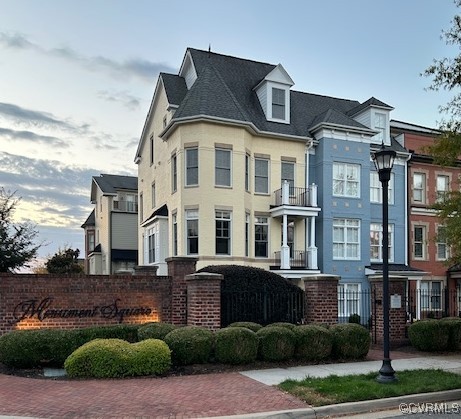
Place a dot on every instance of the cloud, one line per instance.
(135, 67)
(29, 136)
(125, 98)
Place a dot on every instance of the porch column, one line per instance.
(312, 262)
(418, 299)
(285, 253)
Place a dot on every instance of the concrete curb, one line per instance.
(354, 407)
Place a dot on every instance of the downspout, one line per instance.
(309, 145)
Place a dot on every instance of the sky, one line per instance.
(77, 78)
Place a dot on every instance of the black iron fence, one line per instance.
(263, 307)
(433, 303)
(297, 196)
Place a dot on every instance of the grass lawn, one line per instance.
(353, 388)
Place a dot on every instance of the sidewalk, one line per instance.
(246, 394)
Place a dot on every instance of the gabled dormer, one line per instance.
(375, 115)
(274, 95)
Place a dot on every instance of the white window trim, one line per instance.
(191, 185)
(267, 223)
(345, 243)
(188, 218)
(380, 246)
(358, 181)
(222, 218)
(271, 86)
(391, 194)
(423, 243)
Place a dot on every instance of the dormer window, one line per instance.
(274, 95)
(380, 125)
(278, 103)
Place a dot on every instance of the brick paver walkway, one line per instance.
(173, 397)
(192, 396)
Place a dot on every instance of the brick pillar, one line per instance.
(178, 268)
(321, 297)
(397, 316)
(204, 300)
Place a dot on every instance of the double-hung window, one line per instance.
(346, 238)
(223, 232)
(192, 232)
(261, 237)
(192, 166)
(288, 174)
(419, 242)
(442, 246)
(376, 189)
(261, 175)
(346, 180)
(443, 183)
(175, 234)
(247, 172)
(376, 242)
(151, 245)
(380, 125)
(174, 173)
(419, 187)
(278, 103)
(222, 167)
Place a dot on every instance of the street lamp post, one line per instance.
(384, 160)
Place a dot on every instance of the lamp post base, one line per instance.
(386, 373)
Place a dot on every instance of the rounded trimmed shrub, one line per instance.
(249, 325)
(350, 341)
(454, 332)
(155, 330)
(429, 335)
(276, 343)
(236, 345)
(34, 348)
(290, 326)
(312, 343)
(190, 345)
(100, 358)
(114, 358)
(150, 357)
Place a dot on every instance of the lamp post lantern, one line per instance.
(384, 160)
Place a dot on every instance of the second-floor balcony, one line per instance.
(293, 201)
(125, 206)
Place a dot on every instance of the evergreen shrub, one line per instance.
(51, 347)
(236, 345)
(429, 335)
(276, 343)
(454, 332)
(313, 343)
(289, 326)
(114, 358)
(156, 330)
(190, 345)
(249, 325)
(350, 341)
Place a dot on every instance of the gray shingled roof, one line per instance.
(90, 221)
(225, 89)
(370, 102)
(112, 183)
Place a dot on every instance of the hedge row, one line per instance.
(240, 343)
(436, 335)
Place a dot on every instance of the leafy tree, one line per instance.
(446, 150)
(17, 246)
(65, 261)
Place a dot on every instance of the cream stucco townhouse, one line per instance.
(237, 167)
(111, 229)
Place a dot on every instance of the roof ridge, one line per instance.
(231, 56)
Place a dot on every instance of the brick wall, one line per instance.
(397, 316)
(321, 294)
(53, 301)
(204, 300)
